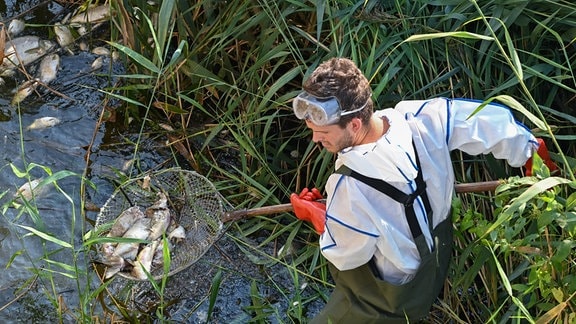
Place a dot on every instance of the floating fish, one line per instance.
(24, 50)
(97, 64)
(24, 91)
(15, 27)
(30, 189)
(158, 258)
(43, 122)
(49, 68)
(93, 15)
(101, 50)
(83, 46)
(114, 264)
(64, 36)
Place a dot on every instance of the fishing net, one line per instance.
(194, 202)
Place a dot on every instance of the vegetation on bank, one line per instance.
(220, 75)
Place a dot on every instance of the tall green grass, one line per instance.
(218, 76)
(245, 60)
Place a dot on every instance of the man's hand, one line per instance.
(308, 209)
(545, 156)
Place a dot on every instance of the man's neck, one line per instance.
(375, 129)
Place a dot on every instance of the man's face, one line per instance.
(332, 137)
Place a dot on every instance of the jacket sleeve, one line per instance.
(493, 129)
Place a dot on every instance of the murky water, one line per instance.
(74, 99)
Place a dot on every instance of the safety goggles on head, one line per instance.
(320, 111)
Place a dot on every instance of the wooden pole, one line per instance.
(284, 208)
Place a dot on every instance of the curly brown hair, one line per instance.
(341, 78)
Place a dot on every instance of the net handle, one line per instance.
(285, 208)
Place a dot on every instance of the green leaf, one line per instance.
(177, 53)
(165, 21)
(459, 34)
(13, 257)
(136, 57)
(514, 104)
(46, 236)
(521, 200)
(214, 289)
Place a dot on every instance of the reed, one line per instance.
(218, 76)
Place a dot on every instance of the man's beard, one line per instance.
(345, 141)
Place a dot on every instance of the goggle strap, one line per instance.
(344, 113)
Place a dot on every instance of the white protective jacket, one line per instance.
(363, 223)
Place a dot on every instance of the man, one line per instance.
(388, 248)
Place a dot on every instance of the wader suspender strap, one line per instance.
(399, 196)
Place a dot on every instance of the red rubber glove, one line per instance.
(307, 209)
(545, 156)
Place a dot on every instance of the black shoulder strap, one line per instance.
(405, 199)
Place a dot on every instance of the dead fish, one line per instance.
(43, 122)
(177, 234)
(97, 64)
(101, 50)
(140, 230)
(161, 203)
(30, 189)
(94, 14)
(83, 46)
(114, 264)
(160, 222)
(126, 220)
(143, 262)
(24, 91)
(107, 249)
(64, 36)
(158, 258)
(160, 217)
(49, 68)
(15, 27)
(24, 50)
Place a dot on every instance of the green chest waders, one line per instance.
(361, 296)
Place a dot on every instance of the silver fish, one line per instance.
(92, 15)
(49, 68)
(114, 264)
(23, 91)
(125, 221)
(107, 249)
(43, 122)
(30, 189)
(158, 258)
(143, 262)
(160, 216)
(15, 27)
(24, 50)
(140, 230)
(177, 234)
(101, 50)
(64, 36)
(97, 64)
(83, 46)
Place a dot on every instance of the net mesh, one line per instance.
(194, 202)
